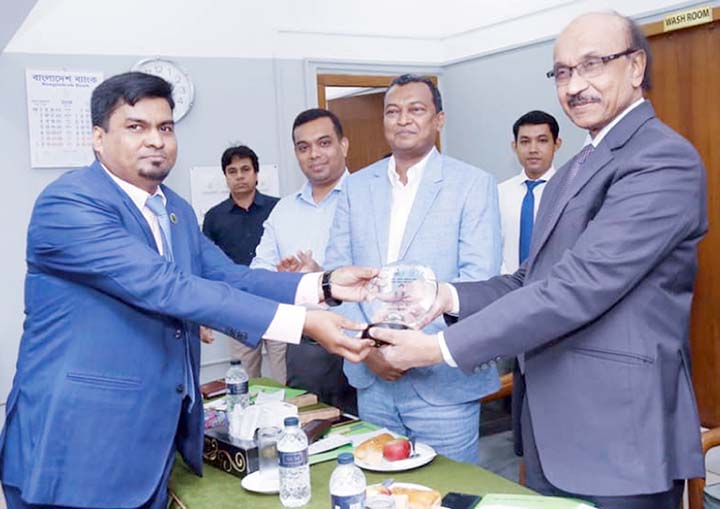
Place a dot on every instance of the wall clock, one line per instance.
(183, 89)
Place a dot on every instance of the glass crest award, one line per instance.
(400, 297)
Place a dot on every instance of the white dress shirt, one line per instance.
(511, 194)
(288, 322)
(601, 135)
(403, 196)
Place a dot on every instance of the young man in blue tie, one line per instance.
(536, 140)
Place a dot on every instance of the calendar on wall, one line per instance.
(58, 105)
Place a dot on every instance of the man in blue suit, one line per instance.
(119, 275)
(598, 314)
(419, 206)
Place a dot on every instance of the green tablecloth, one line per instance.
(218, 490)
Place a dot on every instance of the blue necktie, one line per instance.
(527, 219)
(157, 207)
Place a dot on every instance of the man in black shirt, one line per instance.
(236, 226)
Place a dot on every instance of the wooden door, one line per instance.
(362, 119)
(686, 95)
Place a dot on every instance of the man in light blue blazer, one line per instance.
(118, 277)
(419, 206)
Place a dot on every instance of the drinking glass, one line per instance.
(267, 451)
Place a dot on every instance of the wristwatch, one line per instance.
(327, 290)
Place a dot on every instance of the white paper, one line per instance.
(208, 186)
(59, 123)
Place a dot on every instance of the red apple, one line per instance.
(398, 449)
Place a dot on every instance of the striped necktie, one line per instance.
(157, 207)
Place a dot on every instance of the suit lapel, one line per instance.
(424, 200)
(181, 251)
(129, 205)
(381, 198)
(598, 159)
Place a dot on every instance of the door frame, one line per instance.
(354, 80)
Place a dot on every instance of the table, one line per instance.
(218, 490)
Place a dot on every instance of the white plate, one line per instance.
(425, 456)
(259, 484)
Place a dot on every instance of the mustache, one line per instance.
(581, 99)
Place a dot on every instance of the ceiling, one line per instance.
(398, 31)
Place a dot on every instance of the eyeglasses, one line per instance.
(591, 67)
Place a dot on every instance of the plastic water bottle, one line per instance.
(347, 484)
(294, 470)
(238, 391)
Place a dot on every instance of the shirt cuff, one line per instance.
(445, 351)
(307, 289)
(287, 324)
(455, 301)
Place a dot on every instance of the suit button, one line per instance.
(178, 333)
(180, 388)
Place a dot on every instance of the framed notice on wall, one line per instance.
(58, 105)
(208, 187)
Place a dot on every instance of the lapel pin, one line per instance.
(173, 218)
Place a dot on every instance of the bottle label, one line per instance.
(293, 459)
(238, 389)
(348, 501)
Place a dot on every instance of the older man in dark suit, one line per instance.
(604, 298)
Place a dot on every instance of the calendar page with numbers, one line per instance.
(58, 105)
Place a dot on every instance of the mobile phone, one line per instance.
(454, 500)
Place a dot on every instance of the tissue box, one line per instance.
(236, 457)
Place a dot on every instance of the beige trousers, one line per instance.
(252, 358)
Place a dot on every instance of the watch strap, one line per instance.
(327, 290)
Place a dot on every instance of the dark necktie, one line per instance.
(579, 161)
(527, 219)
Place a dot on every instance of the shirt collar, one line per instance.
(259, 200)
(137, 195)
(603, 132)
(414, 173)
(305, 192)
(546, 176)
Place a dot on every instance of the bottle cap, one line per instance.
(236, 362)
(291, 421)
(345, 458)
